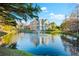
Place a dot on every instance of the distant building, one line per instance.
(33, 25)
(43, 24)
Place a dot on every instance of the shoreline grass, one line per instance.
(13, 52)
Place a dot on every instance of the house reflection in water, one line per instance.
(41, 40)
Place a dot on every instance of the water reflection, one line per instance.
(71, 45)
(45, 44)
(40, 39)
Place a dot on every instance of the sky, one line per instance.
(56, 12)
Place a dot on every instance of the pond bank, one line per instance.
(12, 52)
(75, 35)
(6, 41)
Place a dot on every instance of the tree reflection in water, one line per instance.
(71, 45)
(46, 44)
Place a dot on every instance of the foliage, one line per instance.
(7, 38)
(64, 25)
(26, 30)
(71, 24)
(22, 10)
(7, 21)
(11, 32)
(2, 33)
(9, 28)
(53, 27)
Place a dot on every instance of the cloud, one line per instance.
(44, 9)
(51, 14)
(57, 18)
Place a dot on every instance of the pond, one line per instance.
(47, 44)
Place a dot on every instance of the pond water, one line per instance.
(47, 45)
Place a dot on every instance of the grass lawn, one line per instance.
(12, 52)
